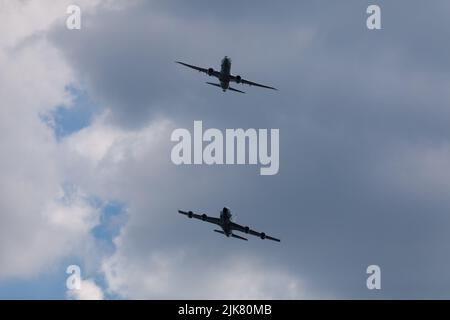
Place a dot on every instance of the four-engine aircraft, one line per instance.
(227, 225)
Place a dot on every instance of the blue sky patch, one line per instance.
(70, 119)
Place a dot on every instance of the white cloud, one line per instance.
(40, 221)
(245, 278)
(23, 19)
(89, 290)
(174, 274)
(113, 162)
(43, 220)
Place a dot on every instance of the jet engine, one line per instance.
(246, 229)
(238, 79)
(204, 216)
(210, 71)
(263, 235)
(190, 214)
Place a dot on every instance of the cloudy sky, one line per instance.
(85, 123)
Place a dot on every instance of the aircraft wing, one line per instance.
(204, 70)
(250, 83)
(202, 217)
(262, 235)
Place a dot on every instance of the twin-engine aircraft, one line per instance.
(227, 225)
(224, 76)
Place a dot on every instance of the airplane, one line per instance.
(227, 225)
(224, 76)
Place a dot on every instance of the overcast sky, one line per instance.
(85, 123)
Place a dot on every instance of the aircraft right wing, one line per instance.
(202, 217)
(261, 235)
(238, 79)
(209, 72)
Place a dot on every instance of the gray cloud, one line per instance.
(357, 111)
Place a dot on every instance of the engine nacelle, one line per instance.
(190, 214)
(246, 229)
(204, 216)
(238, 79)
(210, 71)
(263, 235)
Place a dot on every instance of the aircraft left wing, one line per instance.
(238, 79)
(209, 72)
(202, 217)
(262, 235)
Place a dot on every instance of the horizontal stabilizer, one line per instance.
(219, 231)
(214, 84)
(233, 89)
(238, 237)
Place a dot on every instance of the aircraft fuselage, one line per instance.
(225, 221)
(225, 72)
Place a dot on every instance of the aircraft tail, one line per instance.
(238, 237)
